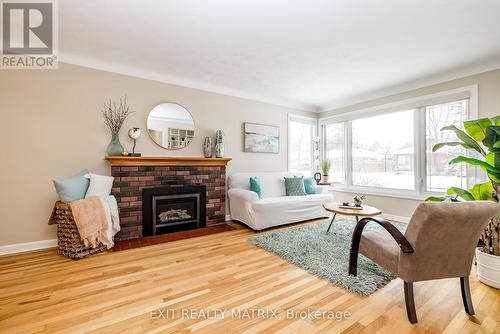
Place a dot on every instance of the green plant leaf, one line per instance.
(495, 120)
(493, 158)
(462, 193)
(468, 140)
(492, 138)
(482, 191)
(476, 162)
(434, 199)
(477, 128)
(451, 143)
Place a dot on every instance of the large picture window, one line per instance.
(390, 152)
(382, 151)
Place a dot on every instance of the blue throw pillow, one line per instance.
(72, 188)
(255, 186)
(309, 186)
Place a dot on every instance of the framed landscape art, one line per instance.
(261, 138)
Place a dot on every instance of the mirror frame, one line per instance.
(149, 133)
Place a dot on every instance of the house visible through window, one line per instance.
(382, 150)
(391, 152)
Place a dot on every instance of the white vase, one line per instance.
(488, 268)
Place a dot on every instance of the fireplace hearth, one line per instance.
(173, 208)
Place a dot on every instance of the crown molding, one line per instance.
(142, 73)
(447, 76)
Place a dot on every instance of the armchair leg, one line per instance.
(466, 297)
(410, 302)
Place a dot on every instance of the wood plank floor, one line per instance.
(146, 290)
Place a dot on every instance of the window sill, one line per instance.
(401, 195)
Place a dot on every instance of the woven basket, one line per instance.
(70, 244)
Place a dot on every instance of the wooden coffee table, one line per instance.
(366, 211)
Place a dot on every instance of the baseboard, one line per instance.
(27, 246)
(394, 218)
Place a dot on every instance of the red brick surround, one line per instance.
(130, 180)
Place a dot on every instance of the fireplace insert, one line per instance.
(172, 209)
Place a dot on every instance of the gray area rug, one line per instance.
(327, 255)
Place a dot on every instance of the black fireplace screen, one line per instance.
(170, 209)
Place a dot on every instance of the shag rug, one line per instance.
(327, 255)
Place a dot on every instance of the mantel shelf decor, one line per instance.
(166, 161)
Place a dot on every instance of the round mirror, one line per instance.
(171, 126)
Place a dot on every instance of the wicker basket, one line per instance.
(70, 244)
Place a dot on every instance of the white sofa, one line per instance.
(274, 208)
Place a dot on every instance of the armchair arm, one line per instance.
(356, 238)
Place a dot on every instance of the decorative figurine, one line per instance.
(134, 134)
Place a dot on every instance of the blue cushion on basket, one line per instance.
(72, 188)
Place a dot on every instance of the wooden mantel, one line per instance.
(166, 161)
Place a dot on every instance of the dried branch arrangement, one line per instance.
(114, 115)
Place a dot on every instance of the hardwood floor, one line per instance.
(116, 292)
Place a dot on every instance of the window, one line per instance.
(388, 150)
(441, 175)
(335, 151)
(301, 132)
(382, 151)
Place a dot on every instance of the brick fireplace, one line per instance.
(133, 174)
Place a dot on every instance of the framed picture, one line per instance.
(261, 138)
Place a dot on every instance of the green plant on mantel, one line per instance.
(325, 166)
(482, 136)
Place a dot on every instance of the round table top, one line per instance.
(367, 211)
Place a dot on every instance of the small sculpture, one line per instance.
(134, 134)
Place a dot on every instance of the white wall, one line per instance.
(52, 128)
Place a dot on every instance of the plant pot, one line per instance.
(115, 148)
(488, 268)
(325, 178)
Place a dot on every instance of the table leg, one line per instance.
(334, 215)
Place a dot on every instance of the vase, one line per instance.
(325, 178)
(219, 136)
(219, 144)
(207, 147)
(114, 147)
(219, 150)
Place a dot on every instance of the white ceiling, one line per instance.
(309, 54)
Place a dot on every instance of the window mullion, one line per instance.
(348, 153)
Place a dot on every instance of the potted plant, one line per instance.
(325, 168)
(114, 116)
(358, 199)
(483, 137)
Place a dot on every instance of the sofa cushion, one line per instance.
(272, 183)
(255, 185)
(294, 186)
(309, 186)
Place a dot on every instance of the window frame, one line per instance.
(418, 105)
(306, 120)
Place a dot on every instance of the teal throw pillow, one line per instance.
(72, 188)
(309, 186)
(294, 186)
(255, 185)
